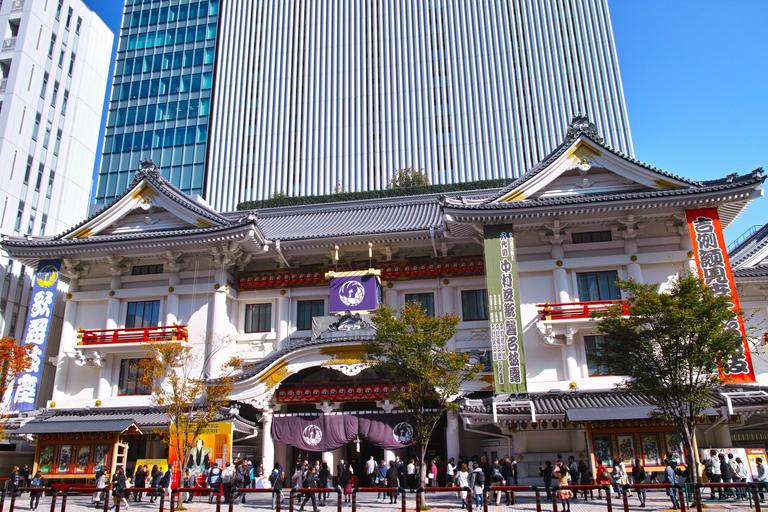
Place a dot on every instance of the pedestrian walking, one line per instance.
(119, 484)
(462, 482)
(638, 477)
(392, 481)
(37, 482)
(546, 475)
(712, 472)
(276, 482)
(381, 480)
(762, 476)
(139, 481)
(585, 478)
(564, 494)
(669, 472)
(478, 484)
(310, 482)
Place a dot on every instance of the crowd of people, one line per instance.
(471, 476)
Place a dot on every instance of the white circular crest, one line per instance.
(351, 293)
(312, 435)
(403, 433)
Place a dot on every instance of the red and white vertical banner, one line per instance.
(715, 269)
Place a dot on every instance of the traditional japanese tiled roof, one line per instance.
(558, 403)
(308, 223)
(720, 185)
(749, 247)
(124, 237)
(746, 272)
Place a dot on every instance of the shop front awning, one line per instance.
(637, 412)
(48, 426)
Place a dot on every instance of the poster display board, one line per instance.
(214, 444)
(506, 329)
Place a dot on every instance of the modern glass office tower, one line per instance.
(310, 97)
(161, 94)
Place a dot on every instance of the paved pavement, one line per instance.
(657, 501)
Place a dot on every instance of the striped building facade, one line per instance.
(315, 97)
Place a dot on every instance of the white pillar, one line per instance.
(723, 436)
(172, 300)
(216, 351)
(284, 319)
(392, 298)
(633, 269)
(66, 344)
(104, 389)
(560, 277)
(452, 445)
(686, 245)
(113, 307)
(572, 370)
(329, 458)
(388, 455)
(267, 444)
(446, 294)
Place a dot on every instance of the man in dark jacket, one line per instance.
(276, 482)
(725, 474)
(546, 475)
(310, 482)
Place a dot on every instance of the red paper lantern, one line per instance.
(317, 277)
(480, 265)
(439, 268)
(471, 265)
(342, 392)
(431, 269)
(407, 270)
(423, 270)
(242, 281)
(456, 267)
(389, 271)
(464, 266)
(302, 278)
(398, 271)
(272, 279)
(286, 278)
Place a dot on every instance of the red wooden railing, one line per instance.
(133, 335)
(576, 310)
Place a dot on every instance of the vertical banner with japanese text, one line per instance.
(715, 269)
(504, 310)
(36, 331)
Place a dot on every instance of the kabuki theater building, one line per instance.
(288, 290)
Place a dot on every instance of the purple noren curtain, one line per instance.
(389, 431)
(316, 434)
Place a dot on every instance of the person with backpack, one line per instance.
(310, 482)
(603, 480)
(712, 472)
(38, 482)
(638, 477)
(497, 480)
(214, 481)
(478, 485)
(276, 478)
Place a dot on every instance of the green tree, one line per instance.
(408, 177)
(670, 347)
(16, 360)
(174, 372)
(411, 348)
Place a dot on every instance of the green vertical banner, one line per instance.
(504, 309)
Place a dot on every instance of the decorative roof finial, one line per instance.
(148, 169)
(580, 125)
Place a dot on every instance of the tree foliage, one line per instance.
(408, 178)
(411, 348)
(16, 359)
(669, 348)
(174, 372)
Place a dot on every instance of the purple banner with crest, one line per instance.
(315, 433)
(391, 431)
(355, 293)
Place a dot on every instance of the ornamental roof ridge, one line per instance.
(747, 272)
(580, 126)
(365, 203)
(708, 186)
(151, 173)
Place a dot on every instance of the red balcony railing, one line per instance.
(577, 310)
(133, 335)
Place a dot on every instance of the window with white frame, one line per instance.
(306, 310)
(258, 317)
(427, 301)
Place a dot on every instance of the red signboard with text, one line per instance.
(715, 269)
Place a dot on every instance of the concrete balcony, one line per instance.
(133, 335)
(558, 323)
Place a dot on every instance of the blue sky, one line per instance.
(695, 82)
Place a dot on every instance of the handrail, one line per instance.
(133, 334)
(399, 490)
(574, 310)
